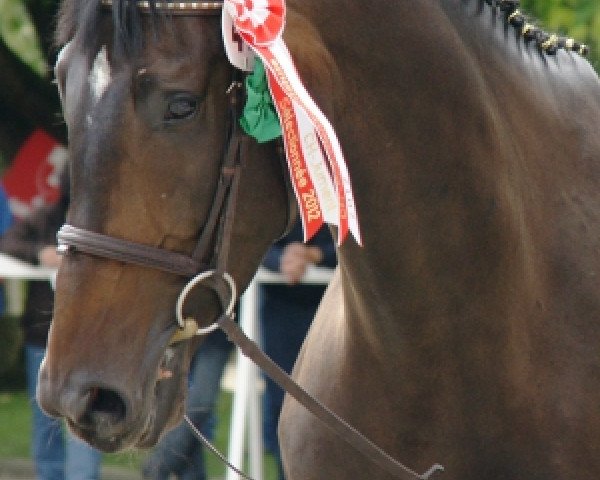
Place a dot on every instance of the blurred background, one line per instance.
(31, 156)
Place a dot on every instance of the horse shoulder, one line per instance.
(302, 436)
(326, 338)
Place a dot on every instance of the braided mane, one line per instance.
(546, 42)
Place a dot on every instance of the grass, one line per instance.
(15, 425)
(15, 433)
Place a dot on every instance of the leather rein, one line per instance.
(208, 264)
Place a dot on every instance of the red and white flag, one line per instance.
(33, 178)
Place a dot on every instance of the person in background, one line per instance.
(6, 217)
(34, 240)
(179, 452)
(286, 312)
(6, 220)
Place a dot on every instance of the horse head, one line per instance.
(147, 99)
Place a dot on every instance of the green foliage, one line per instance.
(579, 19)
(19, 34)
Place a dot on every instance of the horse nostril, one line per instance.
(104, 408)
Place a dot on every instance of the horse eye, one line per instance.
(181, 107)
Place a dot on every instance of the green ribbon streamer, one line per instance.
(259, 118)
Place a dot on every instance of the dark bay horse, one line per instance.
(465, 331)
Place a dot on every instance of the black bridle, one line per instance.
(210, 256)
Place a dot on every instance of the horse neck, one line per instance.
(429, 168)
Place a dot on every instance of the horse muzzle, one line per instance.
(112, 418)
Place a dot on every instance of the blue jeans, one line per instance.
(54, 458)
(179, 451)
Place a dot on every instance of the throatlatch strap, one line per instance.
(206, 442)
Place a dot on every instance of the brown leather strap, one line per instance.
(226, 232)
(72, 239)
(345, 431)
(214, 217)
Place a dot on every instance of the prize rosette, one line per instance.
(316, 163)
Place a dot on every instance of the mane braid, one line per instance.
(546, 43)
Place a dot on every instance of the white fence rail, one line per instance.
(246, 409)
(14, 271)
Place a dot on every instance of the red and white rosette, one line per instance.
(316, 163)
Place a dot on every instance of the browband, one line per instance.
(176, 8)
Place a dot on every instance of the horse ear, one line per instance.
(315, 64)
